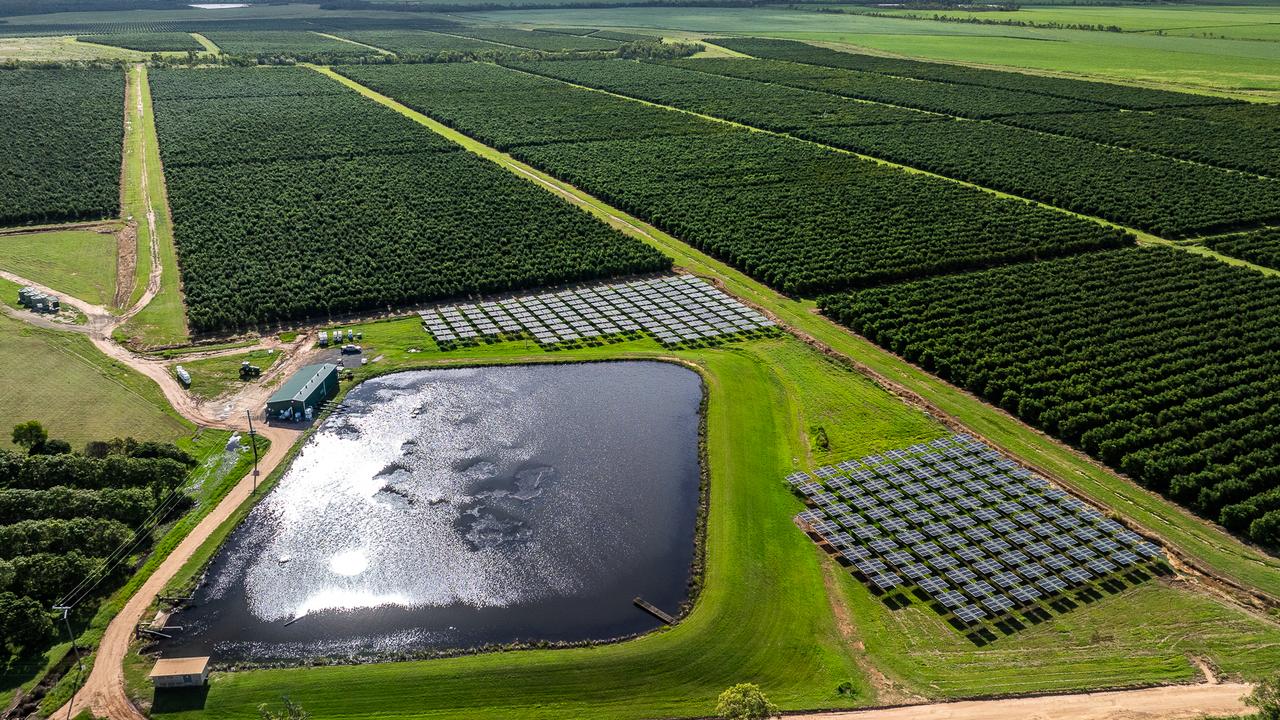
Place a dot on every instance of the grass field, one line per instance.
(1244, 22)
(214, 377)
(163, 321)
(1206, 65)
(80, 263)
(766, 613)
(60, 379)
(62, 48)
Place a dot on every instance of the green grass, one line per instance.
(1245, 22)
(79, 394)
(217, 376)
(80, 263)
(1195, 64)
(765, 614)
(163, 321)
(1146, 632)
(49, 49)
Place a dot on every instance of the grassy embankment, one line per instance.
(1206, 542)
(1189, 63)
(80, 263)
(766, 613)
(163, 321)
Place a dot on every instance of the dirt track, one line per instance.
(1162, 703)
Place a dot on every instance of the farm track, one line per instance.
(1180, 702)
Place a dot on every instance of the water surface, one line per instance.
(463, 507)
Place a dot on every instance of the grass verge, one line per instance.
(163, 321)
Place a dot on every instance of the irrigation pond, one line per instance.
(459, 508)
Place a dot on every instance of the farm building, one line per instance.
(180, 672)
(305, 391)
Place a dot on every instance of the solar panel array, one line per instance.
(978, 534)
(674, 309)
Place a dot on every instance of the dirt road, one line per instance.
(1177, 702)
(103, 691)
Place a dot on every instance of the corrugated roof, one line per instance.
(168, 667)
(302, 383)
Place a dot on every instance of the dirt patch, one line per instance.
(126, 263)
(886, 691)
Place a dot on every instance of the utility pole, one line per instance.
(66, 609)
(253, 443)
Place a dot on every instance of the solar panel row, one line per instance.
(971, 529)
(674, 309)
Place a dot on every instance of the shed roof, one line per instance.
(303, 383)
(168, 667)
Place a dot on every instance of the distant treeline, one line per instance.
(41, 7)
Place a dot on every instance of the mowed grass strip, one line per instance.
(164, 320)
(80, 263)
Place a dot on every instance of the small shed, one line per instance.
(180, 672)
(306, 390)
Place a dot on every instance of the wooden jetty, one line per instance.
(654, 610)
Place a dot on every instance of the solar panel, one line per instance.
(996, 546)
(887, 581)
(855, 554)
(916, 571)
(1076, 575)
(900, 558)
(943, 562)
(960, 575)
(1024, 594)
(997, 605)
(987, 566)
(1006, 579)
(1032, 571)
(970, 554)
(979, 534)
(1056, 562)
(1101, 566)
(1124, 558)
(1147, 549)
(933, 585)
(936, 529)
(927, 549)
(910, 537)
(970, 614)
(952, 599)
(882, 545)
(1051, 585)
